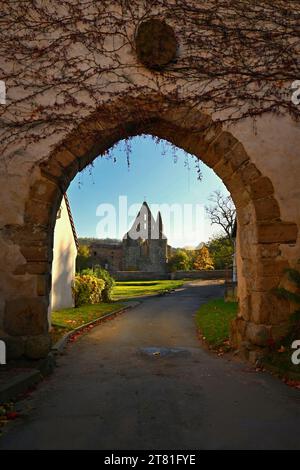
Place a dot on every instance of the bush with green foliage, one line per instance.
(179, 261)
(83, 257)
(221, 250)
(87, 290)
(103, 274)
(294, 297)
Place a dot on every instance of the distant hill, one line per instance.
(192, 248)
(189, 248)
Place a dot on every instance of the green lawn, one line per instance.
(213, 320)
(125, 290)
(281, 363)
(68, 319)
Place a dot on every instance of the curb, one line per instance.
(27, 379)
(19, 385)
(59, 346)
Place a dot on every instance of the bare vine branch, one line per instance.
(62, 59)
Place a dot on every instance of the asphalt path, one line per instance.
(143, 381)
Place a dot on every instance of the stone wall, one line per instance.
(109, 256)
(203, 274)
(178, 275)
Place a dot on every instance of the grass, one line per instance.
(126, 290)
(281, 363)
(279, 357)
(213, 320)
(68, 319)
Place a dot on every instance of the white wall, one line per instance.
(63, 265)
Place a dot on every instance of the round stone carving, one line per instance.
(156, 44)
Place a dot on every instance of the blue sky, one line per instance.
(153, 175)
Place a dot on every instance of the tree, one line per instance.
(221, 250)
(203, 259)
(222, 212)
(179, 261)
(83, 256)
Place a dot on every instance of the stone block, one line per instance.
(51, 168)
(277, 232)
(35, 253)
(37, 347)
(37, 212)
(268, 308)
(262, 283)
(223, 169)
(255, 356)
(237, 331)
(211, 134)
(237, 156)
(44, 190)
(261, 188)
(249, 173)
(20, 270)
(260, 308)
(38, 267)
(266, 208)
(15, 345)
(258, 334)
(26, 316)
(237, 188)
(219, 147)
(271, 267)
(43, 284)
(271, 250)
(64, 157)
(80, 145)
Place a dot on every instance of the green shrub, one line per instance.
(87, 289)
(179, 261)
(101, 273)
(294, 297)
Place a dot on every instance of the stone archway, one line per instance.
(263, 232)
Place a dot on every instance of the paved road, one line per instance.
(110, 393)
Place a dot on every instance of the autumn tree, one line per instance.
(203, 259)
